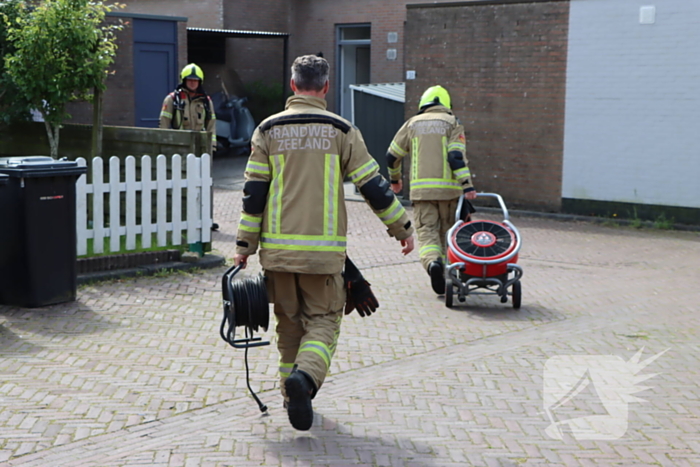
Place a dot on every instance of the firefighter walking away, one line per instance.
(294, 214)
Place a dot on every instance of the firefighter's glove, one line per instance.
(467, 210)
(361, 298)
(359, 293)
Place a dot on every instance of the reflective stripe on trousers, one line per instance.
(303, 242)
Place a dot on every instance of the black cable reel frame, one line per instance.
(245, 304)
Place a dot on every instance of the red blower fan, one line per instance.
(482, 257)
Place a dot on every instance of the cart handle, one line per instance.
(483, 195)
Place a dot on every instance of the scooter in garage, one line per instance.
(234, 124)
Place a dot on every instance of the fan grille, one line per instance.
(464, 239)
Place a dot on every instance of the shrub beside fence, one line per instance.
(143, 212)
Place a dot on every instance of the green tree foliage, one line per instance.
(62, 49)
(13, 105)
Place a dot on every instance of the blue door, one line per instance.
(155, 67)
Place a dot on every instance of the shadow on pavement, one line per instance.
(12, 343)
(508, 314)
(332, 444)
(74, 318)
(479, 309)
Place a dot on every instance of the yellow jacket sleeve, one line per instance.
(166, 112)
(257, 170)
(399, 148)
(211, 125)
(458, 144)
(363, 171)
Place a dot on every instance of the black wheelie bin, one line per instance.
(38, 234)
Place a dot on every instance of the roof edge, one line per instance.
(238, 32)
(374, 92)
(126, 14)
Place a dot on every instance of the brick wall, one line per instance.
(250, 60)
(199, 13)
(257, 15)
(504, 65)
(313, 24)
(118, 103)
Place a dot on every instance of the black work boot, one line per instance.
(300, 390)
(437, 276)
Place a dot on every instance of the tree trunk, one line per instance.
(97, 123)
(52, 132)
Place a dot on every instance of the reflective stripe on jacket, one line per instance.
(428, 138)
(304, 154)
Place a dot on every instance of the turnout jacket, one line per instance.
(182, 112)
(434, 139)
(293, 203)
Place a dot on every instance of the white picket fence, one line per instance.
(198, 219)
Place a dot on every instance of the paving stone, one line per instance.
(134, 371)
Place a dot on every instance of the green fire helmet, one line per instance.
(192, 71)
(435, 95)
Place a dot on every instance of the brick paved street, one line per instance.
(134, 372)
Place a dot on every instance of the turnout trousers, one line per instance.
(308, 309)
(432, 220)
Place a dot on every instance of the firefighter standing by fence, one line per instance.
(188, 107)
(294, 210)
(434, 139)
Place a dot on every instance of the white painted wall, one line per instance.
(632, 129)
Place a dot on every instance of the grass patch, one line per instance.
(636, 222)
(662, 223)
(166, 272)
(139, 246)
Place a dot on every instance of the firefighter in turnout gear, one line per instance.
(435, 142)
(188, 107)
(294, 212)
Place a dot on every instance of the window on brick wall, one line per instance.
(353, 33)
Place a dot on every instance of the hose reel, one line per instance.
(245, 303)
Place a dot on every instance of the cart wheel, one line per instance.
(517, 294)
(449, 293)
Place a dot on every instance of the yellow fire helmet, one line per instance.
(192, 71)
(435, 95)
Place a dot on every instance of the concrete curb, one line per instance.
(205, 262)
